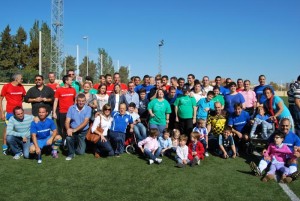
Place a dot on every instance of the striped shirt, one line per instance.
(19, 128)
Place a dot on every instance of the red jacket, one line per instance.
(199, 149)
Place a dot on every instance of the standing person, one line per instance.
(165, 84)
(75, 84)
(102, 97)
(63, 98)
(109, 84)
(143, 105)
(204, 105)
(159, 110)
(250, 98)
(218, 97)
(117, 80)
(102, 80)
(14, 93)
(158, 86)
(218, 81)
(116, 98)
(171, 98)
(233, 98)
(294, 104)
(205, 85)
(240, 85)
(146, 85)
(89, 80)
(91, 99)
(185, 111)
(131, 96)
(259, 90)
(52, 84)
(77, 125)
(136, 80)
(18, 133)
(44, 134)
(197, 93)
(119, 125)
(191, 81)
(181, 83)
(40, 95)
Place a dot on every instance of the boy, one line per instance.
(138, 128)
(226, 144)
(165, 143)
(204, 105)
(143, 104)
(182, 152)
(202, 130)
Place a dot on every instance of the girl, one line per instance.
(116, 98)
(182, 152)
(261, 119)
(175, 139)
(149, 147)
(196, 149)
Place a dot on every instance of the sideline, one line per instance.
(289, 192)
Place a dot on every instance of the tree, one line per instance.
(34, 47)
(21, 49)
(92, 69)
(108, 67)
(46, 50)
(124, 74)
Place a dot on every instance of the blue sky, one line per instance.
(231, 38)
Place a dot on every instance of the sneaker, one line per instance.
(158, 160)
(255, 169)
(69, 158)
(17, 157)
(206, 154)
(4, 149)
(268, 177)
(194, 162)
(295, 175)
(180, 165)
(198, 162)
(40, 161)
(151, 161)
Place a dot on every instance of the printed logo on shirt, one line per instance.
(63, 95)
(16, 93)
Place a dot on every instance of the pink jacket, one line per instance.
(149, 143)
(280, 153)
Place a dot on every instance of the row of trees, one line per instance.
(20, 53)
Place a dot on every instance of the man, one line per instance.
(197, 93)
(64, 97)
(259, 90)
(190, 81)
(165, 80)
(240, 85)
(137, 80)
(109, 84)
(77, 125)
(117, 80)
(294, 103)
(153, 91)
(13, 92)
(52, 84)
(118, 128)
(250, 98)
(205, 85)
(76, 85)
(18, 133)
(40, 95)
(218, 81)
(185, 111)
(44, 134)
(171, 98)
(102, 80)
(181, 83)
(131, 96)
(146, 85)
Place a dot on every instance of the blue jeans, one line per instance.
(140, 131)
(179, 160)
(160, 128)
(17, 145)
(105, 148)
(203, 141)
(150, 155)
(117, 140)
(76, 141)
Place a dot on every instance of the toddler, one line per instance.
(182, 152)
(261, 119)
(202, 130)
(175, 139)
(165, 143)
(196, 149)
(226, 144)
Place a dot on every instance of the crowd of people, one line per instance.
(185, 119)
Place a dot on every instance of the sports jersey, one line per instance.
(217, 123)
(42, 129)
(13, 95)
(66, 97)
(239, 122)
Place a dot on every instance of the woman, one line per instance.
(159, 110)
(103, 146)
(233, 98)
(102, 97)
(276, 108)
(116, 98)
(218, 97)
(91, 99)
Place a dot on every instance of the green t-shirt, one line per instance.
(160, 109)
(219, 98)
(185, 106)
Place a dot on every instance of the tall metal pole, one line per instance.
(77, 60)
(161, 43)
(87, 54)
(101, 64)
(40, 53)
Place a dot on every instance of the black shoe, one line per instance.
(295, 175)
(194, 162)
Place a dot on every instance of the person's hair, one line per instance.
(175, 132)
(285, 119)
(158, 91)
(101, 76)
(107, 75)
(196, 82)
(70, 70)
(165, 76)
(146, 76)
(217, 77)
(17, 108)
(89, 78)
(65, 78)
(130, 82)
(87, 84)
(227, 79)
(192, 75)
(279, 133)
(153, 132)
(51, 73)
(14, 77)
(142, 90)
(137, 77)
(39, 76)
(179, 79)
(236, 105)
(80, 95)
(268, 88)
(195, 135)
(172, 88)
(101, 85)
(201, 120)
(132, 104)
(106, 107)
(261, 76)
(183, 138)
(239, 79)
(173, 78)
(231, 84)
(116, 73)
(42, 106)
(228, 128)
(115, 88)
(205, 76)
(216, 87)
(166, 130)
(247, 81)
(298, 79)
(210, 93)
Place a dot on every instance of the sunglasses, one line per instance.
(38, 79)
(107, 109)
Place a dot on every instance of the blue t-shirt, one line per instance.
(147, 88)
(120, 122)
(276, 100)
(230, 100)
(202, 104)
(77, 117)
(224, 91)
(259, 91)
(239, 122)
(42, 129)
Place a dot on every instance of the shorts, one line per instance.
(43, 142)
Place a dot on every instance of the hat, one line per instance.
(185, 88)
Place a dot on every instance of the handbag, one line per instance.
(93, 137)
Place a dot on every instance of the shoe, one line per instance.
(295, 175)
(158, 160)
(4, 149)
(255, 169)
(268, 177)
(69, 158)
(151, 161)
(198, 162)
(97, 155)
(39, 161)
(206, 154)
(287, 180)
(194, 162)
(180, 165)
(17, 157)
(117, 155)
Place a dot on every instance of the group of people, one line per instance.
(189, 118)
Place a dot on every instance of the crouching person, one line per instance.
(77, 125)
(226, 144)
(44, 135)
(18, 133)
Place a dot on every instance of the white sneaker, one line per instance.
(39, 161)
(17, 157)
(151, 161)
(206, 154)
(198, 163)
(158, 160)
(69, 158)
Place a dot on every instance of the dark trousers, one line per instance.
(61, 119)
(186, 126)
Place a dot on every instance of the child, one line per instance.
(277, 153)
(261, 119)
(182, 152)
(196, 149)
(143, 104)
(205, 105)
(202, 130)
(226, 144)
(149, 147)
(139, 128)
(175, 139)
(165, 143)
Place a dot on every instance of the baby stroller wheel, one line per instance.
(130, 149)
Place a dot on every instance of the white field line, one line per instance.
(289, 192)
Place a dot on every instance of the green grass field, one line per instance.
(131, 178)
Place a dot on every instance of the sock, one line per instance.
(4, 147)
(262, 165)
(292, 168)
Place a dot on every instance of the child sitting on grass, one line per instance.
(182, 152)
(261, 119)
(175, 139)
(277, 153)
(149, 147)
(139, 129)
(196, 149)
(165, 143)
(202, 130)
(226, 144)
